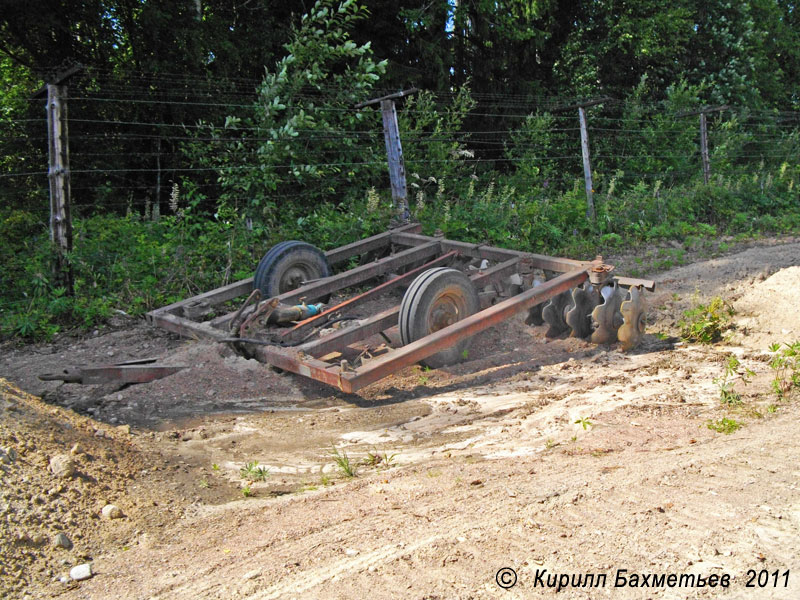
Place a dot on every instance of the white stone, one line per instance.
(111, 511)
(81, 572)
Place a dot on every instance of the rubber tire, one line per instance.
(421, 297)
(282, 257)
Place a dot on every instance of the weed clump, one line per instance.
(346, 466)
(252, 471)
(786, 365)
(725, 425)
(706, 324)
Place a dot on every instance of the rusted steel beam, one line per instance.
(344, 337)
(290, 359)
(351, 277)
(363, 273)
(539, 261)
(496, 273)
(388, 318)
(444, 338)
(135, 371)
(216, 296)
(304, 326)
(245, 286)
(647, 284)
(341, 254)
(184, 327)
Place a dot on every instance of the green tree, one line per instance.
(303, 137)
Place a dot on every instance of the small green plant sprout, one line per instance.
(772, 408)
(707, 323)
(724, 425)
(464, 353)
(584, 422)
(246, 491)
(324, 479)
(346, 466)
(786, 365)
(376, 459)
(203, 483)
(727, 393)
(214, 467)
(550, 443)
(252, 471)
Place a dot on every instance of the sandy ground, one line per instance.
(534, 455)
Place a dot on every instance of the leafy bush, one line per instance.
(786, 364)
(706, 323)
(301, 139)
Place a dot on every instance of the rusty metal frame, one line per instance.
(408, 253)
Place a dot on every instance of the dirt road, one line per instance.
(551, 458)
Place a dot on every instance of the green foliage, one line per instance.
(725, 425)
(343, 462)
(252, 471)
(725, 383)
(118, 262)
(302, 130)
(426, 128)
(384, 460)
(785, 363)
(584, 422)
(706, 323)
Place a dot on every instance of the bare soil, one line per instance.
(532, 454)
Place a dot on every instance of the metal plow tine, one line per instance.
(553, 314)
(633, 313)
(607, 316)
(535, 316)
(579, 318)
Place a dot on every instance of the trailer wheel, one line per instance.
(437, 298)
(287, 265)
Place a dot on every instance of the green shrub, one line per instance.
(706, 323)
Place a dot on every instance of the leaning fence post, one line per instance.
(394, 153)
(591, 214)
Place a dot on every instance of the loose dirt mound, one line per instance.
(215, 381)
(769, 311)
(112, 465)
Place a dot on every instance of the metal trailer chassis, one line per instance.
(411, 254)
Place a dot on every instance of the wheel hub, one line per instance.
(294, 278)
(445, 311)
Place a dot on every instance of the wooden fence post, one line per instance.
(704, 148)
(394, 153)
(704, 136)
(59, 177)
(587, 166)
(591, 213)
